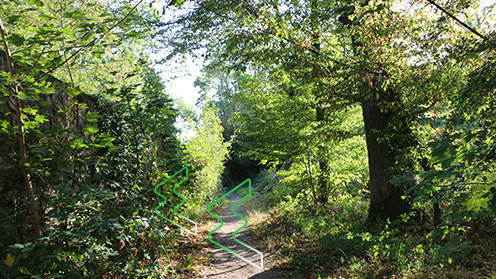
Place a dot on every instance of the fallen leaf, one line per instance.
(10, 260)
(121, 244)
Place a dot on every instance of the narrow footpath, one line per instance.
(224, 264)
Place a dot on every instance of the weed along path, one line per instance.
(226, 265)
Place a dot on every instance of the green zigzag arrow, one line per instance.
(234, 234)
(175, 207)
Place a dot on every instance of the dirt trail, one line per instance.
(226, 265)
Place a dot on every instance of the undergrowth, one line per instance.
(332, 241)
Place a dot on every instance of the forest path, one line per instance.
(226, 265)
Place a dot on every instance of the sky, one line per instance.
(179, 77)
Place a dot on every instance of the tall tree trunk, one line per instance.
(323, 187)
(322, 184)
(323, 192)
(385, 197)
(22, 148)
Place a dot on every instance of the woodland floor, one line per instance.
(224, 264)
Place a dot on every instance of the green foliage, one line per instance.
(297, 231)
(297, 86)
(269, 184)
(93, 162)
(98, 203)
(208, 152)
(293, 75)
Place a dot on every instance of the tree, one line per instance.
(92, 160)
(208, 152)
(354, 53)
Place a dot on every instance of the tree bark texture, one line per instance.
(385, 197)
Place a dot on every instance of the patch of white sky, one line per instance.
(179, 77)
(180, 73)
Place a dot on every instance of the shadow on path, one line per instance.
(228, 266)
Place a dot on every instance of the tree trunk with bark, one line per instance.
(323, 180)
(322, 183)
(385, 197)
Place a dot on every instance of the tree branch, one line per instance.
(460, 22)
